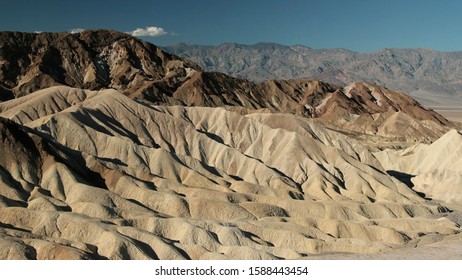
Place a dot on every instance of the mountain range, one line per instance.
(115, 149)
(432, 77)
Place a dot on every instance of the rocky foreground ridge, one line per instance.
(114, 149)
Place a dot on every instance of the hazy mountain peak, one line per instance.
(429, 75)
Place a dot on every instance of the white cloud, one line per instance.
(150, 31)
(76, 30)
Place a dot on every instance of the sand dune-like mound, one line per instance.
(434, 169)
(98, 175)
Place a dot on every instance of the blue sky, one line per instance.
(359, 25)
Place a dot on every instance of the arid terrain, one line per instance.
(114, 149)
(432, 77)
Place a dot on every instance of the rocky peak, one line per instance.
(92, 59)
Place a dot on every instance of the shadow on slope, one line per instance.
(407, 180)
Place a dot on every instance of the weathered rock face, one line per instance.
(97, 175)
(90, 60)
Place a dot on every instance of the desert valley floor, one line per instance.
(450, 113)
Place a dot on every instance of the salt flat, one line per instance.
(451, 113)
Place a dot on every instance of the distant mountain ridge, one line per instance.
(433, 77)
(103, 59)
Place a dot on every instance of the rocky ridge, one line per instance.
(103, 176)
(432, 77)
(97, 59)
